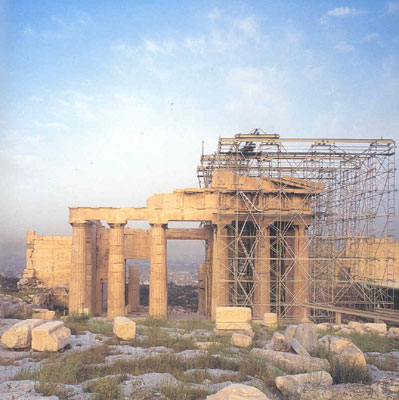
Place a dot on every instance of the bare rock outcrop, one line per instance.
(292, 362)
(238, 391)
(287, 384)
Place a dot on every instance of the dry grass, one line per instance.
(383, 364)
(106, 388)
(182, 392)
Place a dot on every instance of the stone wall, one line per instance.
(48, 258)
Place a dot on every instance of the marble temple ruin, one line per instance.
(261, 221)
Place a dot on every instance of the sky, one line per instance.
(104, 103)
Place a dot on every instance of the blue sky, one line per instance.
(107, 102)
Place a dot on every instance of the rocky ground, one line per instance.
(186, 360)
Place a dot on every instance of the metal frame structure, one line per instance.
(350, 240)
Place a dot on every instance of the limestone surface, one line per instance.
(298, 348)
(293, 362)
(279, 342)
(287, 383)
(306, 335)
(270, 320)
(19, 336)
(343, 349)
(377, 328)
(43, 313)
(238, 391)
(124, 328)
(51, 336)
(233, 314)
(240, 340)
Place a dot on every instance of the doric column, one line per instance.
(116, 271)
(134, 287)
(201, 288)
(301, 273)
(77, 286)
(158, 273)
(220, 269)
(261, 299)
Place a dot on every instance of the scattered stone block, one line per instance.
(290, 332)
(124, 328)
(279, 342)
(294, 362)
(335, 344)
(394, 330)
(240, 340)
(343, 349)
(376, 328)
(354, 324)
(286, 384)
(238, 391)
(298, 348)
(231, 326)
(306, 335)
(50, 336)
(233, 318)
(323, 327)
(270, 320)
(352, 355)
(19, 336)
(43, 313)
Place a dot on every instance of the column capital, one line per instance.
(78, 223)
(116, 224)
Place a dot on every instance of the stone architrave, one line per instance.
(158, 301)
(19, 336)
(116, 271)
(51, 336)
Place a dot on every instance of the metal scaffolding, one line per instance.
(349, 243)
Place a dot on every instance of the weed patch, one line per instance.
(106, 388)
(182, 392)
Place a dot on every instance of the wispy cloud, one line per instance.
(28, 31)
(392, 7)
(371, 37)
(248, 26)
(164, 47)
(344, 47)
(214, 14)
(36, 99)
(50, 125)
(344, 12)
(340, 12)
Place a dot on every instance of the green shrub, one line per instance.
(106, 388)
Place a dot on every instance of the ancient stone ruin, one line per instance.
(289, 226)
